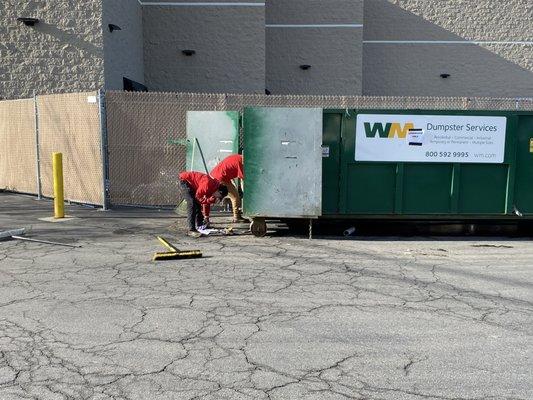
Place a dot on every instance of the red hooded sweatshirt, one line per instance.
(229, 168)
(203, 186)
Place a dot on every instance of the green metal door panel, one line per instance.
(331, 146)
(370, 188)
(427, 188)
(211, 137)
(483, 189)
(283, 162)
(523, 197)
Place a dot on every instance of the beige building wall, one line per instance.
(228, 38)
(123, 49)
(325, 35)
(486, 47)
(62, 53)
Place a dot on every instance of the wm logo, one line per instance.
(390, 130)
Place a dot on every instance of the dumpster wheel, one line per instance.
(258, 227)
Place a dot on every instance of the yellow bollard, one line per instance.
(59, 198)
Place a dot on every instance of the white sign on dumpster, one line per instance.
(430, 138)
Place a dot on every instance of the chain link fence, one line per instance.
(126, 149)
(32, 129)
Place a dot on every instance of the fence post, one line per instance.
(103, 148)
(37, 147)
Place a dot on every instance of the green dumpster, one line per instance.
(397, 164)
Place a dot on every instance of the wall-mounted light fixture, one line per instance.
(113, 27)
(189, 53)
(444, 76)
(28, 21)
(305, 67)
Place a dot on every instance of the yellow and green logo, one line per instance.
(388, 130)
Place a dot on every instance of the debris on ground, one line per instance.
(494, 246)
(204, 230)
(7, 235)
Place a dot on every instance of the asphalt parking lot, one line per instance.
(280, 317)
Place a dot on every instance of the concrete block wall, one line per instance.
(486, 46)
(62, 53)
(228, 38)
(327, 35)
(354, 47)
(123, 49)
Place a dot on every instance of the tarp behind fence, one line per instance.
(70, 124)
(18, 161)
(144, 165)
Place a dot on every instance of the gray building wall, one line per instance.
(123, 50)
(229, 41)
(63, 53)
(486, 46)
(327, 35)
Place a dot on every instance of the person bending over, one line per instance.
(228, 169)
(199, 189)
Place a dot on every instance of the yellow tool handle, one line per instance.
(167, 244)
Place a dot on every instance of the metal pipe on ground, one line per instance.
(349, 232)
(15, 234)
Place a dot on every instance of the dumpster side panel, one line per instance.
(482, 189)
(427, 188)
(283, 162)
(370, 188)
